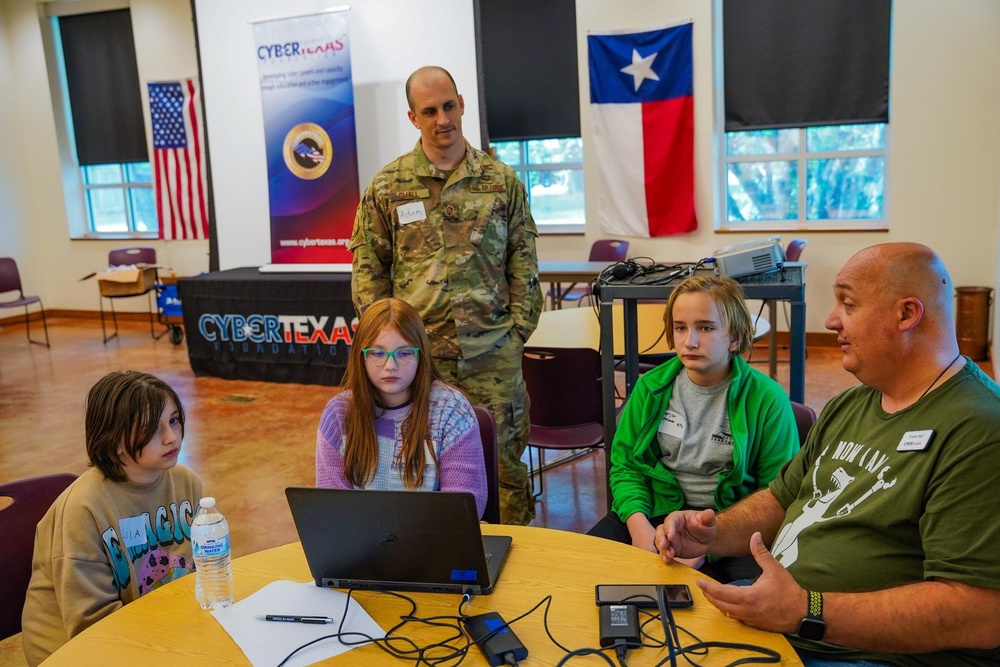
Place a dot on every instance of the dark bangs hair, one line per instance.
(123, 412)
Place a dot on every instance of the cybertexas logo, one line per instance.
(308, 151)
(291, 49)
(294, 329)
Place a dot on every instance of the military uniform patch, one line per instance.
(402, 195)
(488, 187)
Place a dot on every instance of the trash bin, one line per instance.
(972, 321)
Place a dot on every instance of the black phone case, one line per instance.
(644, 602)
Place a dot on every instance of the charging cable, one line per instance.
(620, 629)
(621, 648)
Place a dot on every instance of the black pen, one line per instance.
(319, 620)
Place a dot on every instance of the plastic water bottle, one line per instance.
(213, 583)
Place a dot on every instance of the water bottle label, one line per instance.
(218, 546)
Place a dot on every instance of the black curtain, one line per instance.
(528, 68)
(103, 81)
(801, 63)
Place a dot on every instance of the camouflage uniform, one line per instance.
(464, 257)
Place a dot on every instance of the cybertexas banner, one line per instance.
(312, 166)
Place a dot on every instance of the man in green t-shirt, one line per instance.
(884, 531)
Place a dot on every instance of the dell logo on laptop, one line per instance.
(387, 539)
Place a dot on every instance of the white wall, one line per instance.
(388, 40)
(31, 196)
(944, 169)
(11, 206)
(944, 166)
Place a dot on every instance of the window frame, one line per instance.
(801, 157)
(125, 185)
(523, 168)
(80, 225)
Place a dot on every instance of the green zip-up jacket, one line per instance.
(760, 420)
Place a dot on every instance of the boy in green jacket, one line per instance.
(703, 429)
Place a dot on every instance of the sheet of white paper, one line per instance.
(266, 643)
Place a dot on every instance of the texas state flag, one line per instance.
(642, 110)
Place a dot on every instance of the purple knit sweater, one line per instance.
(455, 438)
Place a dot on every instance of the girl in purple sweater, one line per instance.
(397, 424)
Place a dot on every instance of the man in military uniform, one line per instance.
(447, 228)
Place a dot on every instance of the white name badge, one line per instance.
(915, 441)
(411, 212)
(132, 531)
(672, 424)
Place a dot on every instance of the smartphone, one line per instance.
(643, 595)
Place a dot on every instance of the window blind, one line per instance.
(528, 68)
(790, 63)
(103, 82)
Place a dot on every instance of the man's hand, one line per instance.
(774, 602)
(686, 533)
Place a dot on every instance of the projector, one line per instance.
(750, 257)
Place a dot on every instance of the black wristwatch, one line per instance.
(813, 626)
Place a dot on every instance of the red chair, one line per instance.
(488, 433)
(794, 249)
(567, 413)
(30, 500)
(805, 417)
(127, 257)
(10, 281)
(603, 250)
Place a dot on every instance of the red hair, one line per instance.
(361, 450)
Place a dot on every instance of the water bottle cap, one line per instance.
(207, 501)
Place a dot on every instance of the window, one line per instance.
(529, 84)
(806, 178)
(552, 172)
(804, 143)
(106, 174)
(119, 198)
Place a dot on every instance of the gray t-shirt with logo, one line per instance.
(695, 442)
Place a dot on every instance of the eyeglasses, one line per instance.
(404, 356)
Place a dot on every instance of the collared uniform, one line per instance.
(460, 248)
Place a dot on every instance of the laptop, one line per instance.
(396, 540)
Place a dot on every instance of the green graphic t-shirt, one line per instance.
(878, 500)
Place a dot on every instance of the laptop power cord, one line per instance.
(495, 639)
(620, 628)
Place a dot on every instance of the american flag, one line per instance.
(179, 154)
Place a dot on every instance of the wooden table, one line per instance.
(573, 273)
(581, 327)
(168, 627)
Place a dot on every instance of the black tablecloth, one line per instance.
(245, 325)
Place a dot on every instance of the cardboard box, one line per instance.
(126, 281)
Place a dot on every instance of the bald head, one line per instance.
(894, 319)
(901, 270)
(426, 75)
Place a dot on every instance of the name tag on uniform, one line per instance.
(132, 531)
(915, 441)
(487, 187)
(412, 212)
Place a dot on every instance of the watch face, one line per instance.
(812, 628)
